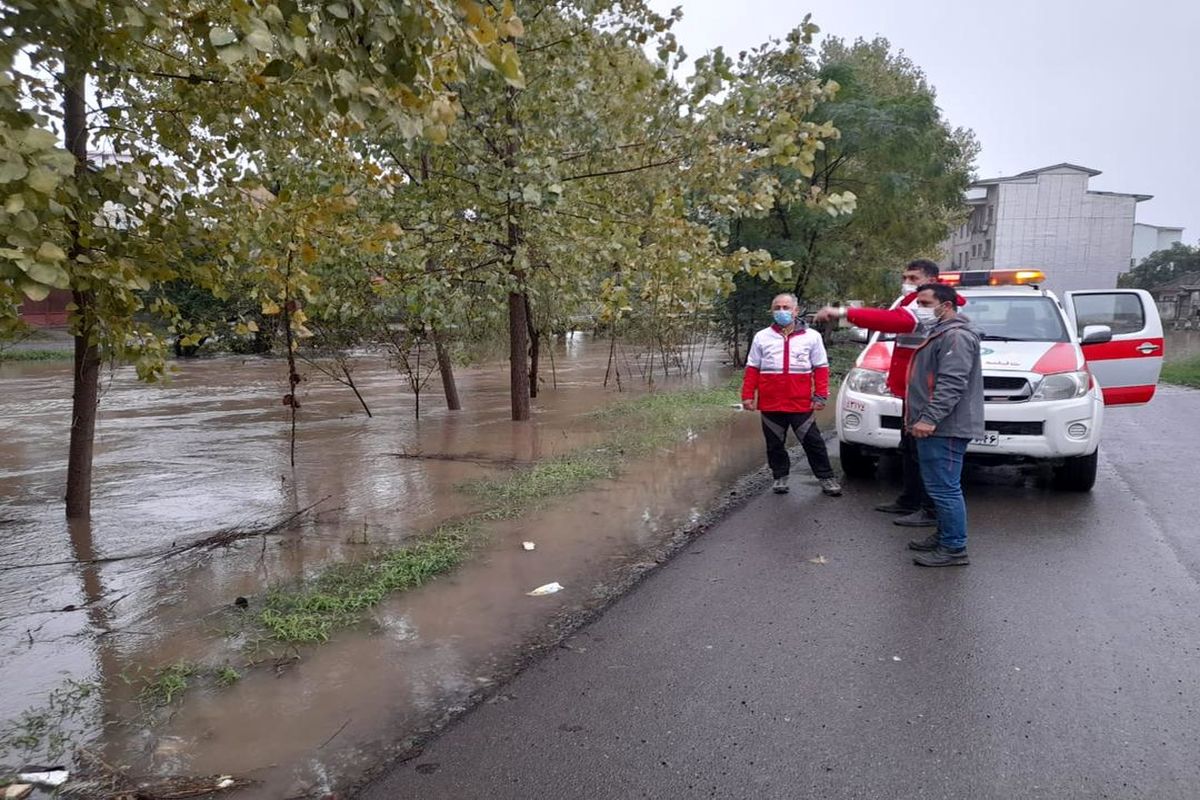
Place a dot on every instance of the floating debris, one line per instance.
(45, 776)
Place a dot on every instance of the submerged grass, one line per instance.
(1183, 373)
(310, 611)
(168, 684)
(35, 355)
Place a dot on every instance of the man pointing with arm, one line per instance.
(906, 321)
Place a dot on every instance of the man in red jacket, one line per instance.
(788, 370)
(905, 321)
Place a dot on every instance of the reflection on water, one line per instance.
(209, 452)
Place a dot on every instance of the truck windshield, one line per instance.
(1013, 319)
(1017, 319)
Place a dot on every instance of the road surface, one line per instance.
(1063, 663)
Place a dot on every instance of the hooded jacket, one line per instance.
(945, 381)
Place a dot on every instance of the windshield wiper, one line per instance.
(994, 337)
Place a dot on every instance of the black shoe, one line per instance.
(926, 545)
(917, 519)
(942, 557)
(896, 508)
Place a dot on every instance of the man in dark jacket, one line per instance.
(913, 503)
(943, 412)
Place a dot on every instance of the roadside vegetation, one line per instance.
(34, 355)
(1185, 372)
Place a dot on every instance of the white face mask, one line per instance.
(925, 316)
(907, 288)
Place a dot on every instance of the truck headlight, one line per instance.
(1063, 386)
(868, 381)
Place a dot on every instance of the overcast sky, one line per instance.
(1108, 84)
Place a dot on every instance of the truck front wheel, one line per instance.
(1077, 474)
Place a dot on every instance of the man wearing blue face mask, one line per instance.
(787, 379)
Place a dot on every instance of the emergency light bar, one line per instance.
(995, 277)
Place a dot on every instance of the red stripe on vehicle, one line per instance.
(877, 357)
(1128, 395)
(1060, 357)
(1126, 348)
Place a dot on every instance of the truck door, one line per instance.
(1127, 366)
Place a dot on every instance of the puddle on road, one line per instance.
(209, 452)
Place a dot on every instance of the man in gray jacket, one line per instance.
(943, 412)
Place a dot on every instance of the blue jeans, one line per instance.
(941, 460)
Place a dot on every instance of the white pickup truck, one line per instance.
(1050, 369)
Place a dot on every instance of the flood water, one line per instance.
(209, 452)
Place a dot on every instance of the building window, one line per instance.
(987, 248)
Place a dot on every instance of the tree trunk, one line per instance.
(446, 367)
(518, 346)
(535, 347)
(84, 402)
(801, 285)
(354, 388)
(518, 325)
(85, 397)
(289, 344)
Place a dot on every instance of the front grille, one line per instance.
(1006, 389)
(1016, 428)
(1003, 428)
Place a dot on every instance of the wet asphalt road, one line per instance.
(1063, 663)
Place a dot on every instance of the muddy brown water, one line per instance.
(209, 452)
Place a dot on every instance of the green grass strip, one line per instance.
(35, 355)
(312, 610)
(1183, 373)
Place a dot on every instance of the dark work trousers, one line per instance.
(775, 426)
(913, 495)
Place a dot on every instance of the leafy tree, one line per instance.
(1162, 266)
(602, 187)
(899, 157)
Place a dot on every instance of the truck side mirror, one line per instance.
(1096, 334)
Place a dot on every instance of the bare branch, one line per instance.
(652, 165)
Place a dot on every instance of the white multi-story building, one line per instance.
(1047, 219)
(1148, 239)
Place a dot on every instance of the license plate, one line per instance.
(989, 439)
(854, 405)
